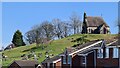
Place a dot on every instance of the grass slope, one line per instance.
(56, 47)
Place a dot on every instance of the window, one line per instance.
(83, 60)
(107, 52)
(115, 52)
(89, 30)
(69, 59)
(64, 59)
(100, 53)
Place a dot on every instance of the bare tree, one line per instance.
(76, 23)
(66, 28)
(30, 36)
(35, 35)
(61, 28)
(57, 28)
(48, 30)
(57, 23)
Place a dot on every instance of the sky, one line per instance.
(24, 15)
(0, 24)
(59, 0)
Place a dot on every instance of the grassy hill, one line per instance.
(55, 47)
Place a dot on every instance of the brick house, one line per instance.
(94, 25)
(23, 64)
(94, 54)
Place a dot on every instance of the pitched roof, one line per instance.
(10, 46)
(85, 51)
(87, 44)
(73, 49)
(50, 60)
(70, 50)
(114, 43)
(26, 62)
(95, 21)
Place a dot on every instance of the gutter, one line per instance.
(86, 47)
(80, 50)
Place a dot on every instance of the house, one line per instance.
(10, 46)
(23, 64)
(94, 54)
(94, 25)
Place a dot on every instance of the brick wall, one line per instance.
(107, 62)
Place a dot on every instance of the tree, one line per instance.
(65, 29)
(48, 30)
(39, 33)
(30, 36)
(18, 39)
(61, 28)
(57, 23)
(34, 35)
(76, 23)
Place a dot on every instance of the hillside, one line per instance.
(55, 47)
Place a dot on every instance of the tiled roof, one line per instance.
(26, 62)
(69, 50)
(85, 51)
(50, 60)
(86, 44)
(73, 49)
(115, 43)
(95, 21)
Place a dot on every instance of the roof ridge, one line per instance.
(95, 16)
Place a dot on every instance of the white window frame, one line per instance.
(115, 52)
(64, 59)
(83, 60)
(100, 53)
(69, 59)
(107, 53)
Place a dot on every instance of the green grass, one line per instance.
(56, 47)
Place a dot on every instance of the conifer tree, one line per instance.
(18, 39)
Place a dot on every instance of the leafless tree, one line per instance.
(34, 35)
(48, 30)
(56, 28)
(61, 28)
(30, 36)
(66, 28)
(57, 23)
(76, 23)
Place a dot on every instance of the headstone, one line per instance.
(39, 54)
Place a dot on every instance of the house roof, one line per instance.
(25, 62)
(50, 60)
(114, 43)
(85, 52)
(95, 21)
(69, 51)
(73, 49)
(10, 46)
(87, 44)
